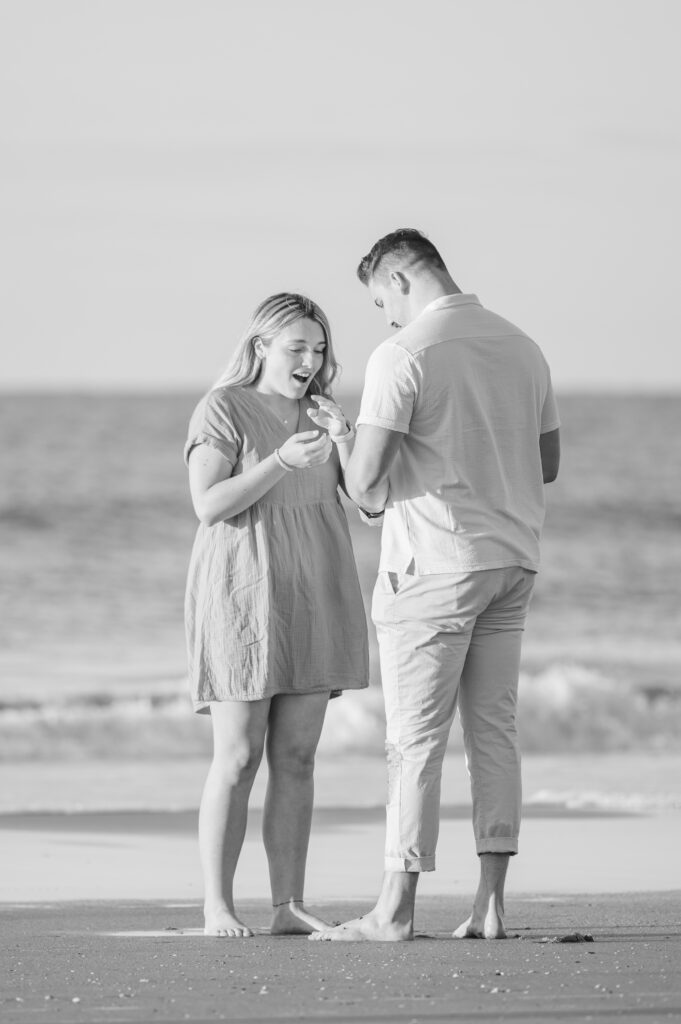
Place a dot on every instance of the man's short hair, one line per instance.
(404, 247)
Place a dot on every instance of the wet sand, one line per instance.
(146, 961)
(153, 855)
(98, 830)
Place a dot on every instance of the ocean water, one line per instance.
(96, 527)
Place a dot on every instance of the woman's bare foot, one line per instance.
(222, 922)
(367, 929)
(477, 927)
(293, 919)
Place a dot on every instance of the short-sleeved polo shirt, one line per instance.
(472, 394)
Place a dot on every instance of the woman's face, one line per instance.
(292, 359)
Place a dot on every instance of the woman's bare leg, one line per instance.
(295, 726)
(238, 739)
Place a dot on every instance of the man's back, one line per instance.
(472, 393)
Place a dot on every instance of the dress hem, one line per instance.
(202, 706)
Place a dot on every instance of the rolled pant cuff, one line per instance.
(497, 844)
(410, 864)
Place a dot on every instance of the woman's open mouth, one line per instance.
(302, 376)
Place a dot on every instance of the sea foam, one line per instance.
(563, 708)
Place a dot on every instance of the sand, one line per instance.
(144, 961)
(100, 902)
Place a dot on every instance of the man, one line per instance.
(457, 433)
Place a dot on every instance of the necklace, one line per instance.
(291, 417)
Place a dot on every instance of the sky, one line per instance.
(166, 164)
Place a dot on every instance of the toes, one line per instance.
(228, 933)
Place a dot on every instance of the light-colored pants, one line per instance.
(444, 638)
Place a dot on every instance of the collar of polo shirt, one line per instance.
(448, 301)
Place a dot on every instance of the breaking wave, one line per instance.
(563, 708)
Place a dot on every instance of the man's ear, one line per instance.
(400, 282)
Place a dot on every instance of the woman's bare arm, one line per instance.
(217, 495)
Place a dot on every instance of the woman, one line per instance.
(274, 614)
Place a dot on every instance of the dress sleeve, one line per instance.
(390, 389)
(212, 423)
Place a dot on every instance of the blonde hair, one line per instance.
(268, 319)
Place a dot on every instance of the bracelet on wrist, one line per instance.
(282, 462)
(343, 438)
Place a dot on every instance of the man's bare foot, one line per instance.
(487, 919)
(225, 924)
(293, 919)
(367, 929)
(477, 927)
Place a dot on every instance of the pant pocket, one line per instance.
(394, 581)
(383, 601)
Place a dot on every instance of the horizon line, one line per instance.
(118, 391)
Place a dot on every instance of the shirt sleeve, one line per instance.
(550, 420)
(212, 424)
(390, 389)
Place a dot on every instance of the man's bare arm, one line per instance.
(549, 450)
(366, 475)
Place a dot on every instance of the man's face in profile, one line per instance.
(388, 297)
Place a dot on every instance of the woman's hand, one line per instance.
(328, 415)
(309, 448)
(218, 495)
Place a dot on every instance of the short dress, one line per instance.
(273, 603)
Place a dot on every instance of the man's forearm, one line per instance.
(367, 473)
(368, 495)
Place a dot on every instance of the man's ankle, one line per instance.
(396, 903)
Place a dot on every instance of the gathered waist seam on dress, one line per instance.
(299, 504)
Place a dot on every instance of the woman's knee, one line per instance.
(239, 763)
(291, 760)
